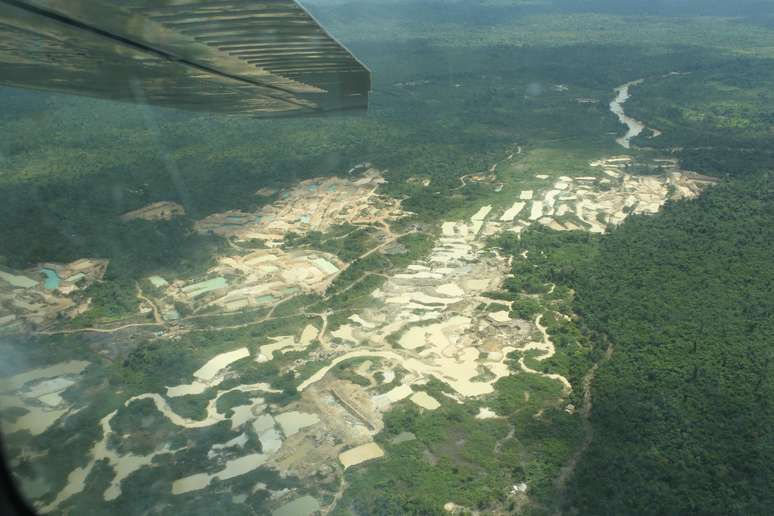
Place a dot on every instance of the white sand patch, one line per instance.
(418, 336)
(383, 401)
(213, 417)
(345, 332)
(292, 422)
(52, 386)
(552, 224)
(486, 413)
(419, 276)
(123, 466)
(266, 353)
(308, 335)
(481, 214)
(241, 466)
(421, 298)
(42, 400)
(476, 285)
(450, 289)
(234, 468)
(362, 322)
(542, 176)
(448, 228)
(388, 375)
(271, 441)
(214, 366)
(424, 400)
(64, 368)
(360, 454)
(550, 199)
(319, 375)
(190, 483)
(537, 210)
(244, 413)
(512, 212)
(237, 442)
(526, 195)
(193, 388)
(500, 317)
(36, 421)
(263, 423)
(548, 349)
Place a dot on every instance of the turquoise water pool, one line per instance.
(52, 279)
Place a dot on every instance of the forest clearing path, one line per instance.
(568, 470)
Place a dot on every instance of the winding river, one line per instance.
(634, 127)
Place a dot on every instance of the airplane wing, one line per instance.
(261, 57)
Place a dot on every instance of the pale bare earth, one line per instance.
(312, 205)
(360, 454)
(28, 302)
(164, 210)
(260, 278)
(39, 393)
(593, 203)
(424, 323)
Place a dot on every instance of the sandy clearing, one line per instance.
(396, 394)
(550, 198)
(486, 413)
(448, 228)
(362, 322)
(319, 375)
(233, 468)
(308, 335)
(292, 422)
(345, 332)
(266, 352)
(547, 346)
(481, 214)
(214, 366)
(451, 290)
(536, 211)
(64, 368)
(512, 212)
(360, 454)
(500, 317)
(424, 400)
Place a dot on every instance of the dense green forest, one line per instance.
(682, 412)
(455, 86)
